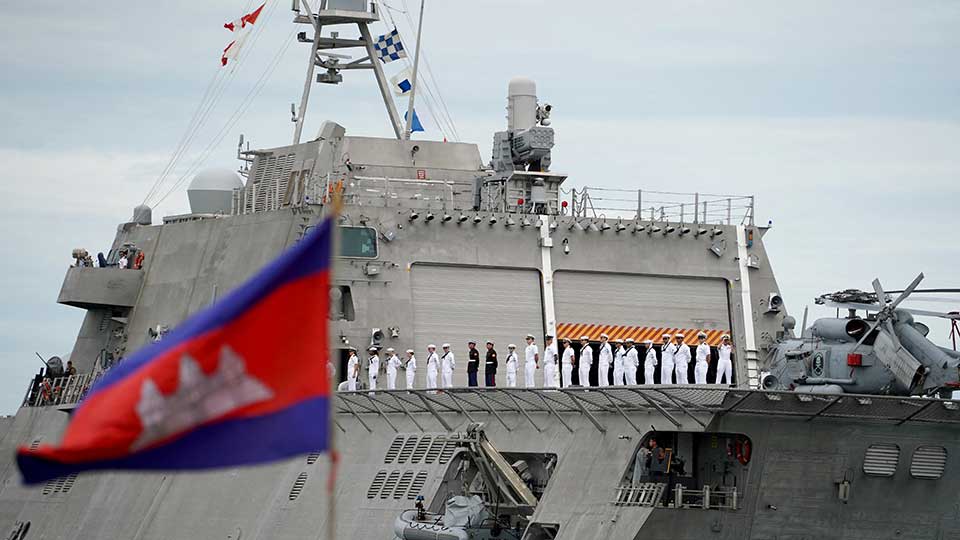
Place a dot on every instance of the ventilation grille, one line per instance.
(298, 485)
(393, 450)
(407, 449)
(435, 449)
(377, 484)
(312, 457)
(421, 449)
(928, 462)
(390, 484)
(881, 459)
(60, 485)
(403, 486)
(417, 485)
(35, 444)
(448, 449)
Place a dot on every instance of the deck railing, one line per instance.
(663, 206)
(67, 390)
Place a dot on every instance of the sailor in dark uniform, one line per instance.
(490, 369)
(473, 363)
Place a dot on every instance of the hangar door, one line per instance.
(640, 300)
(455, 304)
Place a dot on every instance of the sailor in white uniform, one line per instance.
(649, 362)
(724, 364)
(512, 364)
(411, 367)
(586, 360)
(681, 359)
(353, 369)
(373, 368)
(631, 362)
(433, 365)
(703, 360)
(550, 355)
(532, 362)
(667, 351)
(566, 363)
(448, 362)
(393, 364)
(603, 363)
(618, 363)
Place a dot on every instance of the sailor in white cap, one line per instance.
(411, 367)
(703, 359)
(566, 363)
(433, 366)
(393, 363)
(667, 350)
(532, 362)
(631, 361)
(353, 369)
(618, 362)
(724, 364)
(550, 354)
(512, 363)
(448, 363)
(603, 363)
(649, 362)
(586, 360)
(681, 359)
(373, 367)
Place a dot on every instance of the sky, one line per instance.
(842, 120)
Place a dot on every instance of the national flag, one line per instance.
(243, 381)
(241, 28)
(415, 125)
(389, 47)
(402, 82)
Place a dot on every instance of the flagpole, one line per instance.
(413, 82)
(337, 207)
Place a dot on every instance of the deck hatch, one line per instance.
(881, 459)
(928, 462)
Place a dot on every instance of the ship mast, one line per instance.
(333, 13)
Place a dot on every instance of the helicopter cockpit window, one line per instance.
(358, 242)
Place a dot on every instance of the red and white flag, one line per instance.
(241, 29)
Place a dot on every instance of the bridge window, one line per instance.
(928, 462)
(881, 459)
(358, 242)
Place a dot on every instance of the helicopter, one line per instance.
(885, 351)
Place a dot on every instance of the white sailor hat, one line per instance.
(702, 335)
(352, 348)
(471, 342)
(604, 336)
(584, 338)
(725, 336)
(678, 335)
(372, 348)
(530, 336)
(409, 351)
(389, 349)
(548, 336)
(431, 346)
(617, 341)
(490, 342)
(648, 342)
(511, 346)
(566, 340)
(667, 336)
(629, 340)
(446, 345)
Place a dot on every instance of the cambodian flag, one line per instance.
(244, 381)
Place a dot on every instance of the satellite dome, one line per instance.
(142, 215)
(521, 86)
(211, 191)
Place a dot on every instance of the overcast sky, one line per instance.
(843, 120)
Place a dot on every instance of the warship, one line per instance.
(839, 430)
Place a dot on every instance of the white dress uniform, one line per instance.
(566, 363)
(649, 365)
(586, 360)
(393, 363)
(447, 363)
(411, 368)
(550, 367)
(433, 367)
(373, 368)
(618, 366)
(700, 370)
(530, 366)
(603, 365)
(666, 363)
(724, 364)
(681, 360)
(353, 369)
(630, 364)
(512, 369)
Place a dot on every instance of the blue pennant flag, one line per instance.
(389, 47)
(416, 125)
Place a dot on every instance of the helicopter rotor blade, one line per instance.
(888, 327)
(881, 296)
(906, 292)
(925, 313)
(853, 305)
(803, 325)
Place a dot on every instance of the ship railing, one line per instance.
(67, 390)
(663, 206)
(706, 498)
(382, 190)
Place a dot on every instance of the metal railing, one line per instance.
(718, 499)
(645, 494)
(67, 390)
(663, 206)
(380, 191)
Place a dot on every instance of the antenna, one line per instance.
(293, 113)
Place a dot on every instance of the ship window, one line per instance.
(881, 459)
(928, 462)
(358, 242)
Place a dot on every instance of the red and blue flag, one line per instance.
(244, 381)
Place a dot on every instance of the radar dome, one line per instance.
(211, 191)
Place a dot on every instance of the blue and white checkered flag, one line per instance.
(389, 47)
